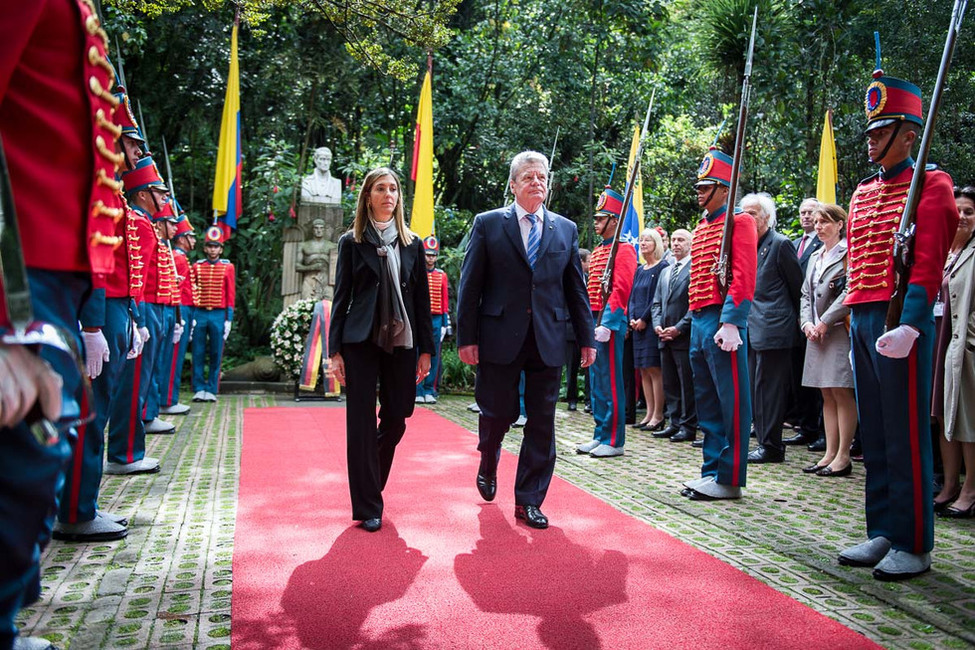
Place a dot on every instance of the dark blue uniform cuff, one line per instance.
(93, 309)
(917, 310)
(737, 316)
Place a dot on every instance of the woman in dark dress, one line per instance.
(646, 353)
(381, 330)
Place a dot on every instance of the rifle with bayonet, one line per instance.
(606, 281)
(551, 163)
(172, 198)
(722, 267)
(904, 237)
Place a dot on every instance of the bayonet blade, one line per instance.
(12, 267)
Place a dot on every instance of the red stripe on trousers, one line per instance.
(736, 423)
(76, 461)
(915, 450)
(612, 389)
(172, 378)
(134, 413)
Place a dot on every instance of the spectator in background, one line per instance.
(805, 409)
(668, 255)
(824, 319)
(672, 322)
(584, 255)
(646, 350)
(574, 354)
(772, 330)
(954, 378)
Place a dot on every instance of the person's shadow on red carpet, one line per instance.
(329, 599)
(544, 575)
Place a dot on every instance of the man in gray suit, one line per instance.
(672, 323)
(773, 328)
(805, 408)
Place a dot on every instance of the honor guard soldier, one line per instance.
(426, 391)
(719, 325)
(892, 369)
(147, 193)
(107, 327)
(126, 433)
(606, 373)
(214, 313)
(54, 97)
(183, 242)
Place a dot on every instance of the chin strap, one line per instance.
(890, 141)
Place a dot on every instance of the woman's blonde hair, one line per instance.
(363, 213)
(658, 243)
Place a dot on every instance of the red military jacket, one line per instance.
(704, 290)
(875, 212)
(439, 298)
(187, 289)
(614, 316)
(56, 122)
(216, 283)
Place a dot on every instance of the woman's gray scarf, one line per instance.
(391, 328)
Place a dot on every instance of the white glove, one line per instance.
(897, 343)
(226, 329)
(192, 328)
(443, 333)
(728, 338)
(139, 338)
(96, 352)
(177, 333)
(602, 333)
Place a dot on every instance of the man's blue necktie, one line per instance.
(533, 240)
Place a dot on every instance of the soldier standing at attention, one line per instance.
(719, 326)
(426, 391)
(892, 370)
(606, 373)
(183, 242)
(214, 313)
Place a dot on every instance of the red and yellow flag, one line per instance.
(422, 173)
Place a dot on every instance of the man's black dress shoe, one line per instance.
(698, 444)
(818, 445)
(686, 492)
(766, 455)
(532, 516)
(487, 486)
(683, 436)
(800, 438)
(666, 433)
(588, 409)
(572, 406)
(371, 525)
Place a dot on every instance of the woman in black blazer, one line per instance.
(381, 330)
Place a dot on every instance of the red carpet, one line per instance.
(450, 571)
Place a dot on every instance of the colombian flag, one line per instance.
(826, 182)
(422, 173)
(227, 205)
(633, 220)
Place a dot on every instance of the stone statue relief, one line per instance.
(320, 186)
(314, 263)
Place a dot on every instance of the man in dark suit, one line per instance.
(520, 283)
(806, 404)
(673, 326)
(773, 328)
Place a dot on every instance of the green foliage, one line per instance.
(458, 377)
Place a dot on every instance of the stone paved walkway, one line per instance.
(168, 584)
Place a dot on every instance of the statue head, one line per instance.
(318, 228)
(323, 159)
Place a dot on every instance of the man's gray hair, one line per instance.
(764, 202)
(813, 201)
(526, 158)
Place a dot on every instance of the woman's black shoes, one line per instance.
(371, 525)
(812, 469)
(826, 471)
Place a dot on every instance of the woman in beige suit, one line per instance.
(954, 378)
(823, 319)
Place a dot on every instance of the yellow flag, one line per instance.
(422, 173)
(826, 182)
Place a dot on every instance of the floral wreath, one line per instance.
(288, 334)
